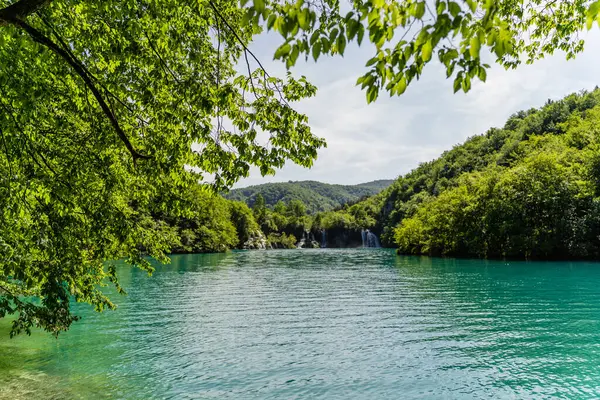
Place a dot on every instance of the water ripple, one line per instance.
(331, 324)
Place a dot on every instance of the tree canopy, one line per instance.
(104, 108)
(316, 196)
(407, 35)
(111, 110)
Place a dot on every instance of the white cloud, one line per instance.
(393, 135)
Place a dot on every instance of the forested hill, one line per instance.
(317, 196)
(530, 189)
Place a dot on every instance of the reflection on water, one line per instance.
(326, 324)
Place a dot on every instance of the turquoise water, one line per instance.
(326, 324)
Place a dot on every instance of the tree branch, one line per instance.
(162, 61)
(82, 72)
(20, 10)
(237, 37)
(96, 80)
(8, 292)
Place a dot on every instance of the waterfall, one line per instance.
(369, 239)
(372, 240)
(302, 241)
(323, 238)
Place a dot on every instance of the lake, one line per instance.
(325, 324)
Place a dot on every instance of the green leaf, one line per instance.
(426, 51)
(360, 34)
(259, 5)
(304, 19)
(400, 87)
(271, 21)
(372, 94)
(593, 10)
(454, 8)
(283, 27)
(450, 69)
(333, 34)
(316, 50)
(352, 29)
(326, 45)
(294, 55)
(314, 37)
(451, 55)
(341, 44)
(441, 7)
(472, 5)
(282, 51)
(589, 22)
(372, 61)
(475, 47)
(419, 10)
(457, 83)
(482, 74)
(466, 84)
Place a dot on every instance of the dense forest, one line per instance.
(316, 196)
(529, 190)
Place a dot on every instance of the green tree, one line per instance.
(542, 204)
(295, 209)
(203, 223)
(280, 208)
(107, 106)
(259, 208)
(244, 222)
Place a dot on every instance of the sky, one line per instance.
(390, 137)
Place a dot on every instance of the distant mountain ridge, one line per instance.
(317, 196)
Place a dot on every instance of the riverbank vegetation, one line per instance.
(529, 190)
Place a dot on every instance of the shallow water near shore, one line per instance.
(325, 324)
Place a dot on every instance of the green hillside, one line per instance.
(317, 196)
(529, 189)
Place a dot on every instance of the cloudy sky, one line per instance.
(393, 135)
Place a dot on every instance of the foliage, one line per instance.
(259, 209)
(497, 147)
(407, 34)
(281, 241)
(100, 104)
(244, 222)
(204, 224)
(316, 196)
(295, 209)
(540, 202)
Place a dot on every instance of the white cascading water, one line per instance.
(369, 239)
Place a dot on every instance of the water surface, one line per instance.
(325, 324)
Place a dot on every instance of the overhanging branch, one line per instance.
(83, 73)
(20, 10)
